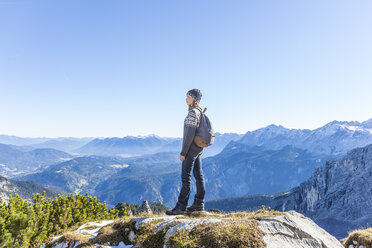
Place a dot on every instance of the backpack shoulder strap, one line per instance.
(201, 112)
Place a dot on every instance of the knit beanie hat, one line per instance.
(196, 94)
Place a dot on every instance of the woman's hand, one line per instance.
(182, 158)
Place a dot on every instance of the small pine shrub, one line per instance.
(29, 224)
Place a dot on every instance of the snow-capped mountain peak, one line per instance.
(335, 137)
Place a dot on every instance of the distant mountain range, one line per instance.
(78, 175)
(338, 195)
(128, 146)
(136, 146)
(125, 147)
(20, 141)
(83, 174)
(66, 144)
(266, 160)
(336, 137)
(69, 145)
(15, 162)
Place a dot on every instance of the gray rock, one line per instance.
(286, 231)
(129, 212)
(146, 220)
(145, 207)
(295, 230)
(131, 236)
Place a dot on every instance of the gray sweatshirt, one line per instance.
(191, 123)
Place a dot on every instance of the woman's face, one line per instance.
(189, 99)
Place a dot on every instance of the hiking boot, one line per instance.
(194, 208)
(174, 211)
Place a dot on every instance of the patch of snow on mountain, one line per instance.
(352, 128)
(120, 165)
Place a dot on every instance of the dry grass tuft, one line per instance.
(258, 214)
(143, 214)
(91, 227)
(261, 213)
(110, 234)
(237, 233)
(147, 237)
(73, 238)
(362, 236)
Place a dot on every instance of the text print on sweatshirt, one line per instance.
(191, 123)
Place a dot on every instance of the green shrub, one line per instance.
(30, 224)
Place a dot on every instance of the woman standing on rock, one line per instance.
(191, 158)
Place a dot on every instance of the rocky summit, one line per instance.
(262, 228)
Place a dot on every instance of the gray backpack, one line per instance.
(204, 136)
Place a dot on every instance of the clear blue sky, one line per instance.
(117, 68)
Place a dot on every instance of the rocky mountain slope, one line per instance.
(338, 195)
(78, 175)
(23, 188)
